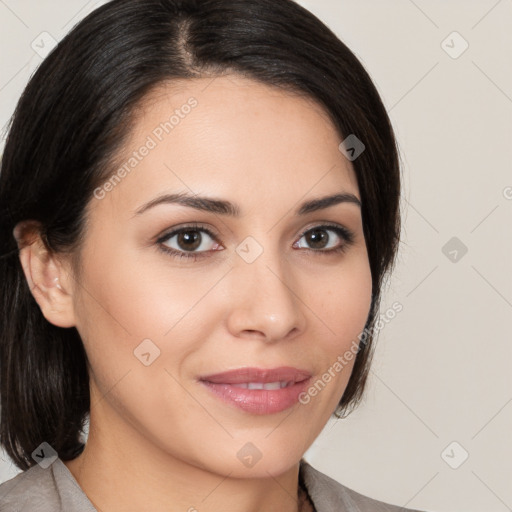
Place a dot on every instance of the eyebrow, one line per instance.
(223, 207)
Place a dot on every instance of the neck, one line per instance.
(116, 479)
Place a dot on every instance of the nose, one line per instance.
(266, 301)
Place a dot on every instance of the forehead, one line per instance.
(230, 137)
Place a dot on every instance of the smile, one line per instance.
(258, 391)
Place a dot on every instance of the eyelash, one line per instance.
(344, 233)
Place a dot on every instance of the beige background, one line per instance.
(441, 371)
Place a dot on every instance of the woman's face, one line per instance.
(261, 293)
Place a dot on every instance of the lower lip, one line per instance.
(259, 401)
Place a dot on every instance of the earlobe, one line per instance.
(47, 280)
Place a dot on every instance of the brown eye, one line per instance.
(318, 239)
(189, 239)
(190, 242)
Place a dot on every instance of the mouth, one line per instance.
(257, 390)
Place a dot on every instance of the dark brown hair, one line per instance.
(77, 111)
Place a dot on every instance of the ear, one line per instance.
(47, 277)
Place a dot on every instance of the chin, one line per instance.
(256, 459)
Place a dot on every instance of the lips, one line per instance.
(258, 391)
(256, 375)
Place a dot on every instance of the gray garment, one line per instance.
(55, 489)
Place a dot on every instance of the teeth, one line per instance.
(261, 385)
(272, 385)
(243, 385)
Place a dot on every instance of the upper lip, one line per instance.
(241, 375)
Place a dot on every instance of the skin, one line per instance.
(156, 435)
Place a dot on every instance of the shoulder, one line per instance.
(33, 487)
(327, 495)
(51, 489)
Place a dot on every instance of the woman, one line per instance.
(200, 202)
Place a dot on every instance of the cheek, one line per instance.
(131, 297)
(117, 308)
(129, 306)
(345, 302)
(128, 317)
(343, 308)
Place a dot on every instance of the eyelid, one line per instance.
(192, 226)
(349, 234)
